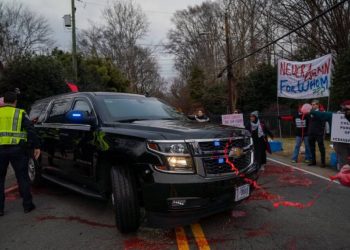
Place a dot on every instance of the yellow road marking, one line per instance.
(199, 236)
(181, 239)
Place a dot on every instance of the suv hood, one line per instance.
(173, 130)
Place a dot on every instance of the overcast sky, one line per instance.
(159, 13)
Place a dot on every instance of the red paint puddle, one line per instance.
(74, 218)
(263, 231)
(141, 244)
(293, 204)
(275, 169)
(238, 214)
(296, 180)
(264, 195)
(12, 195)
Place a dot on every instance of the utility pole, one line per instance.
(230, 80)
(74, 45)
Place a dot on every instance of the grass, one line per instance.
(288, 148)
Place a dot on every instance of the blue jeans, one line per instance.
(298, 141)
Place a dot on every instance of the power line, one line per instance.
(285, 35)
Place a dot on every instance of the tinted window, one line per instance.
(119, 108)
(37, 109)
(58, 110)
(82, 106)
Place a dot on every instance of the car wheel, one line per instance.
(124, 199)
(34, 172)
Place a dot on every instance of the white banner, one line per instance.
(235, 120)
(304, 80)
(340, 129)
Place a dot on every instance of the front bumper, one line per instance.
(175, 203)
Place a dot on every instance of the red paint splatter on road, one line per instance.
(141, 244)
(264, 195)
(74, 218)
(276, 169)
(263, 231)
(293, 204)
(296, 180)
(238, 214)
(12, 194)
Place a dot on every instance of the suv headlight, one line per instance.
(177, 154)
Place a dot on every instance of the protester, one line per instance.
(201, 117)
(16, 133)
(259, 133)
(316, 134)
(301, 123)
(342, 149)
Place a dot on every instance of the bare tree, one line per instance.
(125, 25)
(21, 31)
(328, 33)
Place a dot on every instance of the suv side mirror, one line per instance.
(79, 117)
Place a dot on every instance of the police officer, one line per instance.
(15, 130)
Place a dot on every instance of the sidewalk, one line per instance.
(325, 172)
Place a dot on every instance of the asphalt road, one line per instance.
(291, 210)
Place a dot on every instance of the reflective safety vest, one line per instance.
(11, 126)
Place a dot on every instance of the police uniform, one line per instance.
(16, 135)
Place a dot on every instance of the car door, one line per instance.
(82, 143)
(55, 157)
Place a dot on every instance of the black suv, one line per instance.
(143, 154)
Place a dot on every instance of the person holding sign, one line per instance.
(259, 133)
(341, 148)
(301, 123)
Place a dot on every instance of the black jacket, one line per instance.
(32, 137)
(316, 126)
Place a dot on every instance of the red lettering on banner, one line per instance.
(288, 69)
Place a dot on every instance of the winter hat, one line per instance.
(255, 113)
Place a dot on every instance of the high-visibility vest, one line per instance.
(11, 126)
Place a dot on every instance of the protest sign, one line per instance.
(340, 129)
(304, 80)
(235, 120)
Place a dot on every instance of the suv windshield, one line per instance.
(134, 108)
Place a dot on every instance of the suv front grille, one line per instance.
(212, 165)
(214, 146)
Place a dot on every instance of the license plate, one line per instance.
(242, 192)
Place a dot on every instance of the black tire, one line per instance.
(124, 198)
(34, 172)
